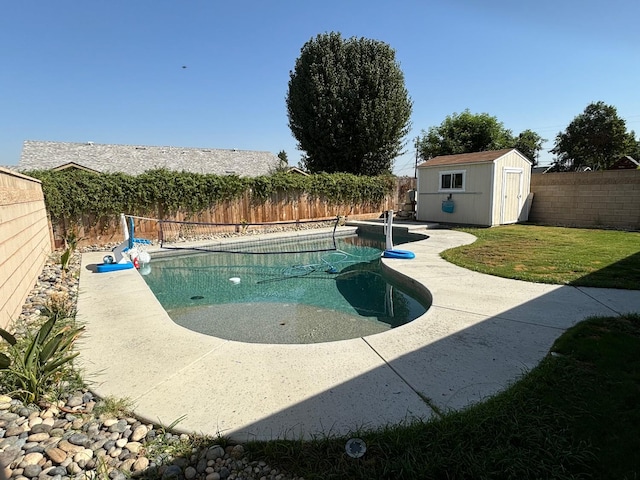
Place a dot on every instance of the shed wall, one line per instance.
(483, 200)
(510, 160)
(473, 206)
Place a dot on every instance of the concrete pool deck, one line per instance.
(480, 334)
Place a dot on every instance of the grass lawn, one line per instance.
(581, 257)
(576, 415)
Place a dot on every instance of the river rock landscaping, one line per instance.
(70, 438)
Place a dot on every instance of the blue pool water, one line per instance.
(284, 298)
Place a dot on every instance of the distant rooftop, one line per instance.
(137, 159)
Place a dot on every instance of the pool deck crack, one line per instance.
(581, 290)
(421, 395)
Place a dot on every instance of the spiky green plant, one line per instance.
(72, 242)
(35, 363)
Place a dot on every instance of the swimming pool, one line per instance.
(284, 298)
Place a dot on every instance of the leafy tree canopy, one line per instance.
(283, 164)
(464, 132)
(468, 132)
(596, 138)
(347, 105)
(529, 143)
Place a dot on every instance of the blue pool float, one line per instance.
(112, 267)
(398, 254)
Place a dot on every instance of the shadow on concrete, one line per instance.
(476, 357)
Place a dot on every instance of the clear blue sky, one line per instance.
(112, 71)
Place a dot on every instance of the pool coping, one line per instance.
(480, 334)
(198, 312)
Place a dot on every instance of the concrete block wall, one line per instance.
(608, 198)
(25, 241)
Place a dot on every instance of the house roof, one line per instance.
(542, 169)
(75, 165)
(298, 171)
(626, 162)
(465, 158)
(10, 170)
(137, 159)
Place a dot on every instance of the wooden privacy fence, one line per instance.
(281, 207)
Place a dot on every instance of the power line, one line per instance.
(405, 169)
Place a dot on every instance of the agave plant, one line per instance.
(34, 365)
(71, 242)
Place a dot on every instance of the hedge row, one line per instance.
(72, 193)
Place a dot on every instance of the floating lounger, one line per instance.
(112, 267)
(398, 254)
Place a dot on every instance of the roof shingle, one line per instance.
(137, 159)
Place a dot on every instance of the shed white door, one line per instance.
(511, 195)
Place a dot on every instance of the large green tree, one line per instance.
(596, 138)
(468, 132)
(347, 105)
(529, 143)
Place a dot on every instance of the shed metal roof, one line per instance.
(137, 159)
(464, 158)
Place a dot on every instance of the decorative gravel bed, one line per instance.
(69, 440)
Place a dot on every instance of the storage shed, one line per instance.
(484, 188)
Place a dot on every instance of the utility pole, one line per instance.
(415, 168)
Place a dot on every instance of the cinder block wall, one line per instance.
(587, 199)
(25, 241)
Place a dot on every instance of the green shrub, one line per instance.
(38, 361)
(70, 195)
